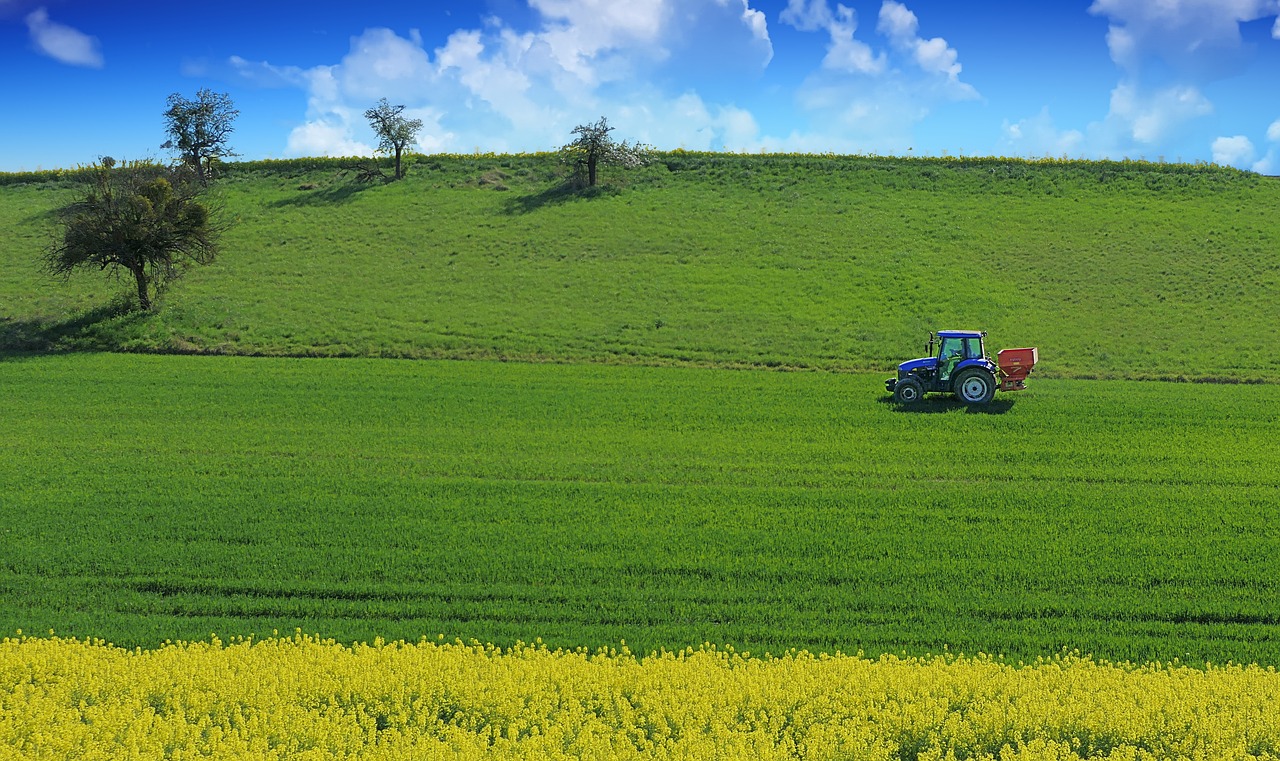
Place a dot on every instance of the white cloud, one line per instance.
(260, 73)
(502, 89)
(383, 64)
(1198, 38)
(325, 138)
(1270, 163)
(1038, 136)
(933, 56)
(63, 43)
(898, 24)
(579, 32)
(807, 16)
(844, 53)
(687, 122)
(1234, 151)
(868, 101)
(1138, 124)
(1149, 118)
(1167, 52)
(847, 54)
(755, 21)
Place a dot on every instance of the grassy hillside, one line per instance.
(149, 498)
(1113, 269)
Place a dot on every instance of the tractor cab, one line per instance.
(957, 363)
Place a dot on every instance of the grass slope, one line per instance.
(148, 498)
(1113, 269)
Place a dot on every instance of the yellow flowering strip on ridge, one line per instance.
(305, 698)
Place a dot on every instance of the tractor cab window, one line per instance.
(973, 348)
(951, 348)
(949, 355)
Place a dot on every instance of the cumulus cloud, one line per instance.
(1149, 118)
(63, 43)
(844, 53)
(325, 138)
(1197, 38)
(864, 99)
(1039, 136)
(506, 89)
(1138, 123)
(900, 28)
(503, 87)
(1234, 151)
(933, 56)
(1270, 163)
(759, 26)
(1168, 53)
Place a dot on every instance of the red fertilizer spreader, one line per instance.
(1015, 365)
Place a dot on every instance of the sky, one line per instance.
(1159, 80)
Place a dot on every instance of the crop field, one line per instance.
(153, 498)
(466, 466)
(303, 698)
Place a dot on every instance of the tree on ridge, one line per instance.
(199, 129)
(395, 132)
(594, 147)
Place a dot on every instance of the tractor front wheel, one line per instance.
(908, 391)
(975, 386)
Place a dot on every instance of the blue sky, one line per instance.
(1172, 80)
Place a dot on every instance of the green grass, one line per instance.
(616, 487)
(1119, 269)
(148, 498)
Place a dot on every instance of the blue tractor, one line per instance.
(960, 366)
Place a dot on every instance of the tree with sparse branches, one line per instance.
(199, 129)
(395, 132)
(594, 147)
(139, 218)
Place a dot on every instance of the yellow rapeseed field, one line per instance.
(302, 697)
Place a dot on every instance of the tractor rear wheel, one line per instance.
(908, 391)
(975, 386)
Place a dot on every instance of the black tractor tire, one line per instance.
(908, 391)
(975, 386)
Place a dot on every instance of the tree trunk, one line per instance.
(144, 300)
(398, 174)
(591, 171)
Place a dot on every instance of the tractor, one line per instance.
(960, 366)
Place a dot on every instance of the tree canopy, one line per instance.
(594, 147)
(141, 218)
(395, 132)
(199, 129)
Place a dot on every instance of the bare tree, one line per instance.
(395, 132)
(199, 129)
(594, 147)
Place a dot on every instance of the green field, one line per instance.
(147, 498)
(620, 465)
(1115, 270)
